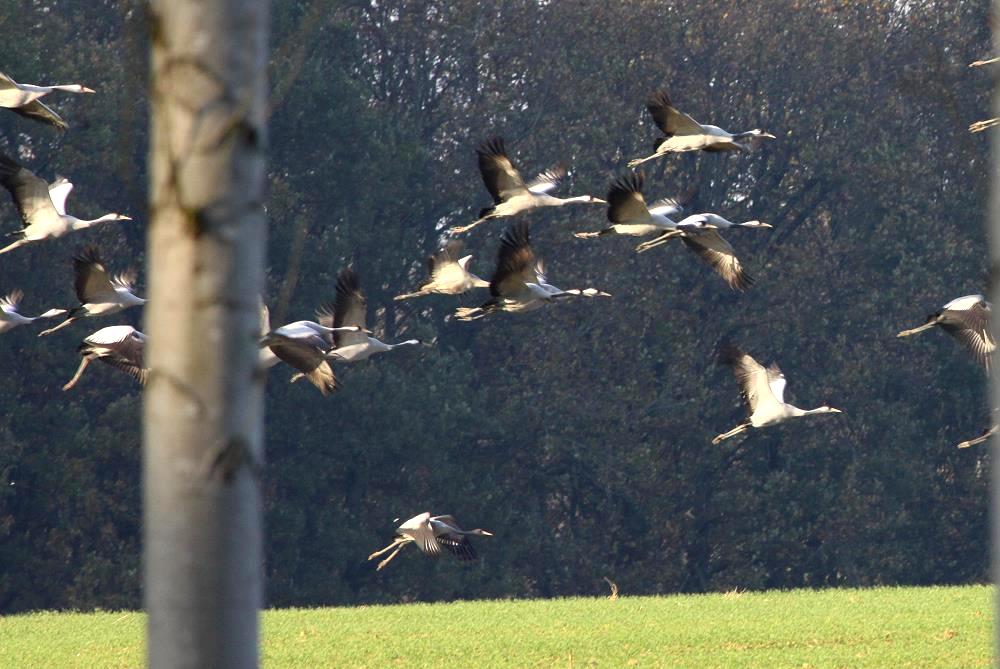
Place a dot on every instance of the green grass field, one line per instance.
(884, 628)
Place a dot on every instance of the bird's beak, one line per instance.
(87, 90)
(123, 217)
(768, 135)
(597, 200)
(487, 534)
(761, 224)
(832, 410)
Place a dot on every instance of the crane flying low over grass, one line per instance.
(511, 195)
(24, 99)
(42, 206)
(763, 390)
(967, 319)
(99, 293)
(120, 346)
(448, 273)
(431, 534)
(519, 282)
(10, 318)
(682, 133)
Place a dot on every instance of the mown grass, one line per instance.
(886, 627)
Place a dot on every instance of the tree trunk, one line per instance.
(203, 418)
(993, 224)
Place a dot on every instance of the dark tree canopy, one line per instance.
(579, 434)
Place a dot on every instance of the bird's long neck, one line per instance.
(926, 326)
(546, 200)
(809, 412)
(80, 223)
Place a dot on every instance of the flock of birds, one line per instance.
(518, 283)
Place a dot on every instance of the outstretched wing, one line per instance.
(499, 174)
(625, 201)
(120, 346)
(547, 180)
(91, 279)
(59, 190)
(669, 119)
(752, 377)
(971, 327)
(516, 263)
(718, 254)
(30, 193)
(350, 308)
(306, 355)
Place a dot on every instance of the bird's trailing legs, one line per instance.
(11, 247)
(978, 126)
(635, 162)
(591, 235)
(69, 319)
(742, 427)
(79, 373)
(459, 229)
(662, 239)
(397, 543)
(981, 438)
(980, 63)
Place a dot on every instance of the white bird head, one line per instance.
(756, 224)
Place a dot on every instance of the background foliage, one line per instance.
(579, 434)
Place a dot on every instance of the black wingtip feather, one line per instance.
(729, 354)
(493, 146)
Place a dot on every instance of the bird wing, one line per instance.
(719, 255)
(7, 82)
(59, 190)
(350, 308)
(306, 355)
(667, 206)
(516, 263)
(30, 193)
(547, 180)
(11, 301)
(125, 279)
(499, 174)
(91, 280)
(426, 541)
(39, 111)
(752, 377)
(776, 382)
(625, 201)
(971, 327)
(124, 345)
(454, 542)
(445, 257)
(669, 119)
(265, 319)
(458, 545)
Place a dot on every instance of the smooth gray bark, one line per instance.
(203, 417)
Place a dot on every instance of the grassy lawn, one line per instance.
(888, 627)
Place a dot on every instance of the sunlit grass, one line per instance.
(886, 627)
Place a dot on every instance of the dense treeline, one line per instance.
(579, 434)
